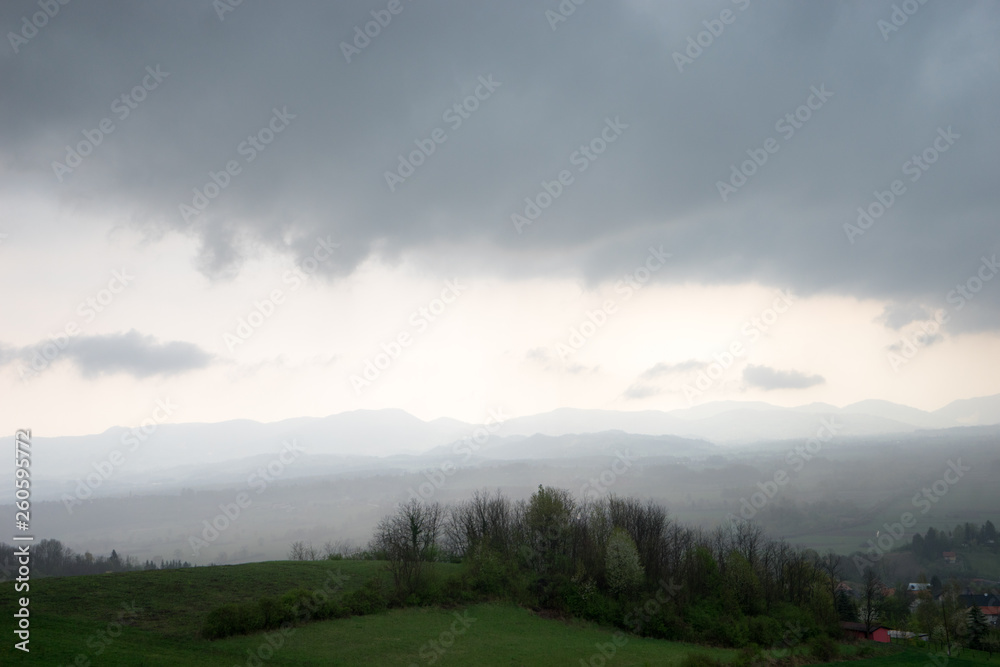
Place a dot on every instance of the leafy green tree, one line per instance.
(928, 616)
(897, 608)
(624, 571)
(547, 519)
(991, 643)
(742, 582)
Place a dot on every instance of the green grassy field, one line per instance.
(920, 657)
(153, 618)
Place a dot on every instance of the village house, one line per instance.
(879, 633)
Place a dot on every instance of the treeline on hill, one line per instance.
(935, 542)
(50, 558)
(617, 561)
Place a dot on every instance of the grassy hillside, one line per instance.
(74, 616)
(83, 620)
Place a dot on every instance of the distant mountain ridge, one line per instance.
(360, 437)
(736, 422)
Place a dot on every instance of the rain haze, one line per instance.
(499, 248)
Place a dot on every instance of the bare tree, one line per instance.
(298, 551)
(408, 539)
(830, 565)
(302, 551)
(484, 521)
(872, 601)
(336, 549)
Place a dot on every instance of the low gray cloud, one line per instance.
(539, 354)
(663, 368)
(642, 387)
(131, 353)
(896, 316)
(922, 338)
(767, 378)
(639, 391)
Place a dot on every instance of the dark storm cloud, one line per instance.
(767, 378)
(131, 353)
(878, 101)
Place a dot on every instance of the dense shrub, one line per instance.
(369, 599)
(751, 656)
(765, 631)
(490, 574)
(665, 625)
(273, 613)
(712, 625)
(823, 648)
(584, 600)
(233, 619)
(297, 602)
(268, 613)
(866, 651)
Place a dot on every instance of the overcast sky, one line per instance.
(273, 210)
